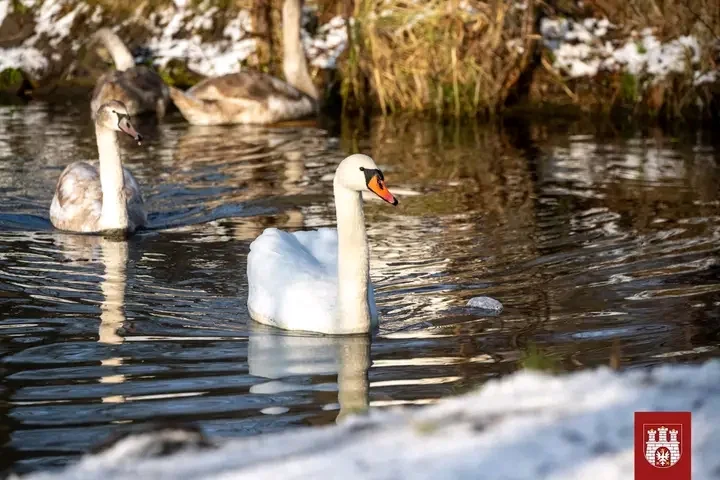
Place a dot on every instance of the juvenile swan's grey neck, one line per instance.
(112, 181)
(353, 262)
(294, 62)
(122, 58)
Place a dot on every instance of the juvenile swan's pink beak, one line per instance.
(378, 188)
(125, 126)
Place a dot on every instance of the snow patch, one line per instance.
(526, 425)
(177, 34)
(330, 41)
(707, 77)
(52, 25)
(28, 59)
(581, 49)
(177, 37)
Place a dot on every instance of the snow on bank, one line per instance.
(525, 426)
(583, 49)
(328, 43)
(52, 26)
(177, 32)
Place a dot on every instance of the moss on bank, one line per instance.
(11, 79)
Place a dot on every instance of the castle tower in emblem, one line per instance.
(659, 451)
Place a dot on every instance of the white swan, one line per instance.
(140, 88)
(252, 97)
(318, 281)
(108, 199)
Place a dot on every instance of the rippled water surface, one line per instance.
(603, 249)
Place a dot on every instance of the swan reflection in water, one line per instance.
(250, 167)
(279, 356)
(113, 254)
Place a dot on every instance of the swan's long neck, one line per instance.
(353, 262)
(294, 62)
(122, 58)
(114, 207)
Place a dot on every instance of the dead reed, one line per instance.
(445, 56)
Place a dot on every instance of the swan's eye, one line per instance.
(362, 169)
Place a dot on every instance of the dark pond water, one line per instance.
(602, 247)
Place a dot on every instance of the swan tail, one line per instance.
(122, 58)
(196, 111)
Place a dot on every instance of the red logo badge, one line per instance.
(662, 445)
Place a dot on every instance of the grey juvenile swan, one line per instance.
(105, 199)
(138, 87)
(256, 97)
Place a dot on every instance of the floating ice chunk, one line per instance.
(485, 303)
(276, 410)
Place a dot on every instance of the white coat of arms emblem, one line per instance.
(662, 444)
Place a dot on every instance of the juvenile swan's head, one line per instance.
(113, 115)
(358, 172)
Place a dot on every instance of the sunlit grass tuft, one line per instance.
(448, 57)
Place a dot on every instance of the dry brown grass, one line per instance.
(435, 56)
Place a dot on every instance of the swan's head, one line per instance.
(359, 173)
(114, 116)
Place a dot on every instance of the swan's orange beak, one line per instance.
(377, 185)
(125, 126)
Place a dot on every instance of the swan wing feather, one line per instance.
(135, 202)
(247, 85)
(77, 203)
(245, 97)
(78, 198)
(291, 287)
(322, 245)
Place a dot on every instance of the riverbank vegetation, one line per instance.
(644, 57)
(458, 58)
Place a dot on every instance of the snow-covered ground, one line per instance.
(177, 33)
(524, 426)
(585, 48)
(581, 48)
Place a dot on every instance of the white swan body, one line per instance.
(318, 281)
(250, 97)
(293, 280)
(105, 199)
